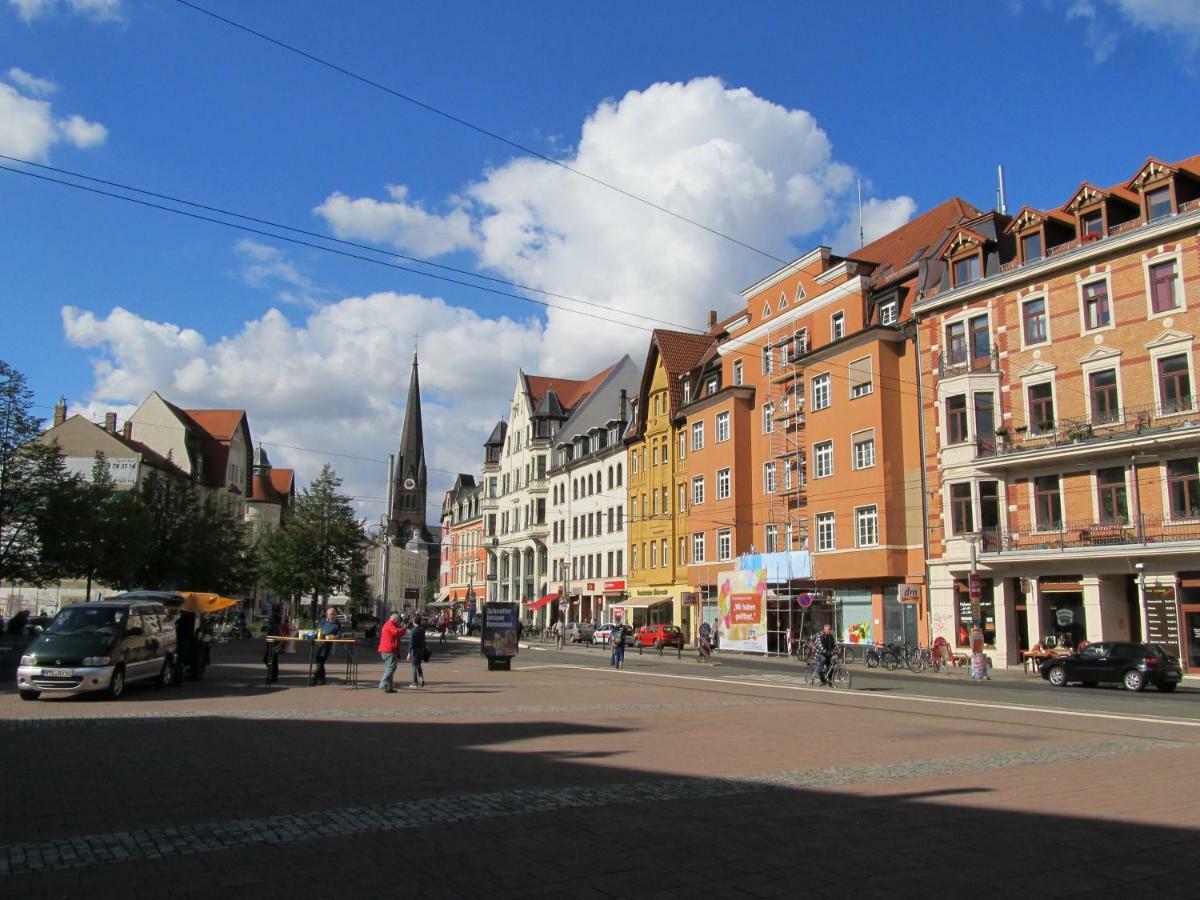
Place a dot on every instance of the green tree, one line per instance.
(33, 479)
(108, 532)
(320, 549)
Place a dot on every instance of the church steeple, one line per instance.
(409, 484)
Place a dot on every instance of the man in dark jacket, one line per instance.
(416, 656)
(329, 627)
(823, 646)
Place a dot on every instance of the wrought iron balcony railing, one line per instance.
(1104, 425)
(1134, 530)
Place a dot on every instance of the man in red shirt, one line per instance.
(389, 650)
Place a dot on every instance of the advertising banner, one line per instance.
(742, 608)
(500, 629)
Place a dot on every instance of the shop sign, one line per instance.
(610, 586)
(122, 471)
(591, 586)
(1162, 616)
(910, 593)
(618, 613)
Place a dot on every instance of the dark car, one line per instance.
(99, 647)
(1130, 665)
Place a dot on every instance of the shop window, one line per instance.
(1174, 383)
(1158, 204)
(956, 419)
(1047, 501)
(962, 516)
(1041, 407)
(1163, 287)
(1102, 388)
(1183, 487)
(968, 612)
(1114, 503)
(1034, 321)
(1096, 311)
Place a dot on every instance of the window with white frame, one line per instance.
(888, 313)
(837, 326)
(823, 459)
(768, 361)
(861, 375)
(711, 387)
(1035, 321)
(826, 539)
(697, 490)
(1163, 279)
(698, 546)
(737, 372)
(820, 391)
(769, 477)
(768, 418)
(724, 483)
(863, 449)
(697, 436)
(682, 444)
(1097, 311)
(687, 391)
(633, 462)
(771, 539)
(724, 545)
(722, 427)
(866, 526)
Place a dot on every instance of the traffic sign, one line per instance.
(805, 600)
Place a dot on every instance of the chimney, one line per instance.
(712, 318)
(624, 407)
(60, 411)
(127, 430)
(110, 422)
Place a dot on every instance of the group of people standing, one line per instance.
(391, 648)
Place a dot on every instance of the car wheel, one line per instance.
(116, 687)
(33, 695)
(1133, 680)
(1166, 687)
(166, 676)
(1057, 676)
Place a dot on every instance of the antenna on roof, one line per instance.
(861, 241)
(1001, 204)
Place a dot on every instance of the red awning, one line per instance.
(538, 604)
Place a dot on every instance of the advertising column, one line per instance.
(500, 634)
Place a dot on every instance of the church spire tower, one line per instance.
(409, 483)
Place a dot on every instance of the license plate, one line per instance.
(56, 673)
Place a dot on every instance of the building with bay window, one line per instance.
(1061, 423)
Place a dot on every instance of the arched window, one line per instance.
(610, 477)
(590, 489)
(618, 474)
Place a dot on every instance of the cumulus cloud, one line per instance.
(31, 84)
(28, 127)
(337, 381)
(97, 10)
(722, 156)
(878, 218)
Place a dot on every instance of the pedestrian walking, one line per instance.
(618, 648)
(704, 642)
(329, 627)
(443, 627)
(389, 651)
(273, 648)
(416, 652)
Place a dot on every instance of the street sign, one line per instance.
(805, 601)
(973, 589)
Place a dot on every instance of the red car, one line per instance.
(659, 636)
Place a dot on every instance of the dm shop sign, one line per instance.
(122, 470)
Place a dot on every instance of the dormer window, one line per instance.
(1031, 246)
(966, 270)
(712, 386)
(1159, 204)
(1091, 225)
(887, 313)
(687, 391)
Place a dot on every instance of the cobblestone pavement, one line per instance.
(575, 781)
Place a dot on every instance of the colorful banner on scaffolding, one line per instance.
(742, 607)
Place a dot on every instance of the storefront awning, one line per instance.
(642, 602)
(538, 604)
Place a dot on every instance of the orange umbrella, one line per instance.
(196, 602)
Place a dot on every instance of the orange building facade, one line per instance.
(1062, 430)
(463, 571)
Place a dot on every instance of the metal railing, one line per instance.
(1146, 529)
(1102, 426)
(949, 365)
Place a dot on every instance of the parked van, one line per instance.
(101, 646)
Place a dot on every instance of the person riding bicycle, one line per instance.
(823, 646)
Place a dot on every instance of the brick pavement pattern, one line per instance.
(572, 782)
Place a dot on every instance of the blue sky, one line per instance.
(919, 100)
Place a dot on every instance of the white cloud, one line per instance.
(31, 84)
(397, 222)
(721, 156)
(1176, 19)
(878, 218)
(266, 267)
(28, 128)
(1098, 36)
(337, 381)
(97, 10)
(82, 133)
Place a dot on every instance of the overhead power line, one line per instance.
(459, 120)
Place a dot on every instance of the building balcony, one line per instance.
(1146, 530)
(950, 365)
(1129, 427)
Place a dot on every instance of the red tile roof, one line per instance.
(897, 250)
(681, 351)
(570, 392)
(275, 487)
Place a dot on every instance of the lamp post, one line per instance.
(973, 588)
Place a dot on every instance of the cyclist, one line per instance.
(823, 647)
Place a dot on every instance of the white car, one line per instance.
(603, 634)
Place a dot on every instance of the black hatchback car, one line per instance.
(1133, 666)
